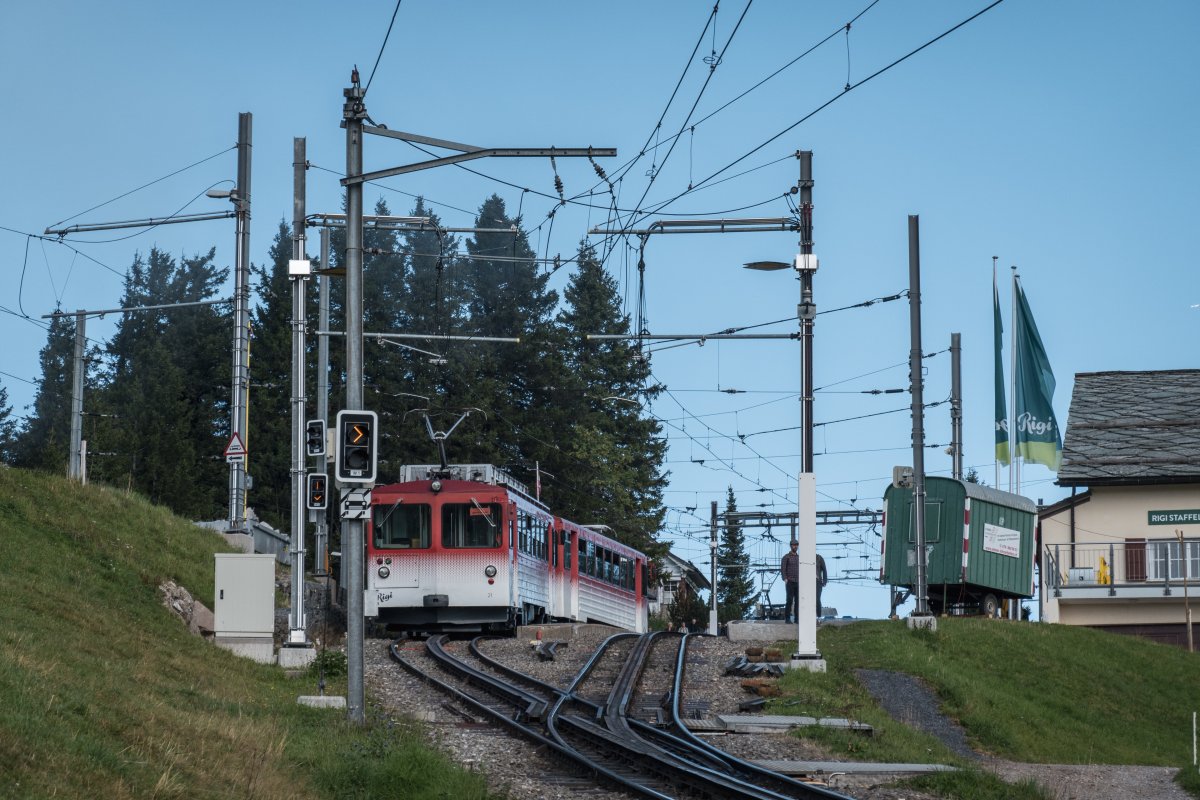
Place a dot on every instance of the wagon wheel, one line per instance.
(989, 605)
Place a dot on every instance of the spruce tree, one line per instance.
(607, 435)
(506, 296)
(161, 424)
(439, 373)
(270, 459)
(735, 584)
(199, 338)
(8, 428)
(45, 441)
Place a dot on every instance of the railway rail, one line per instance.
(618, 722)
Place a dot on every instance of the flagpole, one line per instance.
(1014, 435)
(995, 454)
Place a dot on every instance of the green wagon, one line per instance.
(979, 545)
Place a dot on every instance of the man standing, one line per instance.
(789, 568)
(822, 579)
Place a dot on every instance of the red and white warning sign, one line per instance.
(235, 451)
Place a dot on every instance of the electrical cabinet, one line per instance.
(245, 603)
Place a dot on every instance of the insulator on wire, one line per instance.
(558, 185)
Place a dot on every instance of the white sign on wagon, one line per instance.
(1004, 541)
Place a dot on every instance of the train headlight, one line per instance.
(490, 571)
(383, 572)
(436, 486)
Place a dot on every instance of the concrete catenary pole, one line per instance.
(712, 546)
(239, 399)
(296, 622)
(916, 384)
(75, 465)
(353, 113)
(956, 433)
(806, 654)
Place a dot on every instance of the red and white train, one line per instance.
(467, 548)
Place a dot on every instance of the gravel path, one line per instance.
(514, 766)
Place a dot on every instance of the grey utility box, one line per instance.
(245, 600)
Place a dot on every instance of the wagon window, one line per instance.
(471, 525)
(403, 525)
(933, 522)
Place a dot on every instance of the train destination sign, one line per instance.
(1178, 516)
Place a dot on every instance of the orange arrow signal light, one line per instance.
(359, 433)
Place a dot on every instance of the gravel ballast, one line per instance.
(525, 772)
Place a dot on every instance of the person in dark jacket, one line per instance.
(822, 579)
(789, 568)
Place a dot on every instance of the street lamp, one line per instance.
(805, 264)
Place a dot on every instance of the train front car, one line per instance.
(455, 554)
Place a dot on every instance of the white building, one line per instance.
(1123, 554)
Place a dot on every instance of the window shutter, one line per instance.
(1135, 560)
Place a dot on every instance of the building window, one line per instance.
(1173, 560)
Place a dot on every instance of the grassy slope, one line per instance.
(1043, 693)
(104, 694)
(1025, 692)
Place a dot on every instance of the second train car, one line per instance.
(468, 548)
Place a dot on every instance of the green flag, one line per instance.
(1001, 406)
(1037, 435)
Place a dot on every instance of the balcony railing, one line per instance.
(1116, 566)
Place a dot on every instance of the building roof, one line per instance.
(1129, 428)
(686, 570)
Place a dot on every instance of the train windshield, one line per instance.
(471, 525)
(402, 525)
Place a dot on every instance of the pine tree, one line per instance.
(45, 441)
(735, 584)
(688, 608)
(511, 382)
(438, 373)
(598, 414)
(199, 338)
(386, 373)
(8, 428)
(157, 393)
(270, 419)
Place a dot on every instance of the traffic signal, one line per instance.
(314, 437)
(356, 447)
(316, 494)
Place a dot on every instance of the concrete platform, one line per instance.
(563, 631)
(849, 768)
(766, 723)
(297, 657)
(321, 701)
(260, 649)
(761, 631)
(926, 623)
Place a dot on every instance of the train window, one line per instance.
(566, 549)
(402, 525)
(471, 525)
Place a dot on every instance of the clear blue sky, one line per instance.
(1059, 137)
